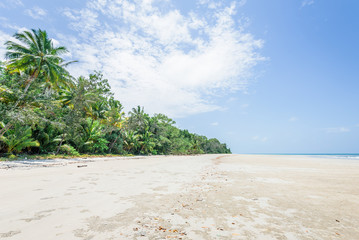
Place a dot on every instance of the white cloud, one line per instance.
(306, 3)
(215, 124)
(337, 130)
(293, 119)
(36, 12)
(85, 21)
(3, 38)
(11, 3)
(162, 59)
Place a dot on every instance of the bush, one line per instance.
(69, 150)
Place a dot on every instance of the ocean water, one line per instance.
(349, 156)
(338, 156)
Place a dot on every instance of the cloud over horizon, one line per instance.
(158, 57)
(155, 55)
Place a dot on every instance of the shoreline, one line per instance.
(183, 197)
(47, 162)
(60, 161)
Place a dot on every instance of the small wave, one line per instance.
(353, 157)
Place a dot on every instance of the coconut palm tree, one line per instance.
(19, 138)
(97, 110)
(35, 53)
(114, 119)
(130, 142)
(114, 114)
(147, 142)
(94, 136)
(138, 119)
(76, 95)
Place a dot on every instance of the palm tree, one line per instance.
(19, 138)
(131, 143)
(114, 114)
(76, 95)
(35, 54)
(147, 142)
(114, 119)
(94, 137)
(97, 110)
(138, 119)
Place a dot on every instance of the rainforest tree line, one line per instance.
(44, 110)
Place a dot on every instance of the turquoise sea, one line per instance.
(352, 156)
(338, 156)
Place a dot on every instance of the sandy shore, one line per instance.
(189, 197)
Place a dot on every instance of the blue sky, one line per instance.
(263, 76)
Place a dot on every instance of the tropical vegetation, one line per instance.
(43, 109)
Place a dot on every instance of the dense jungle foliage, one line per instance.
(43, 110)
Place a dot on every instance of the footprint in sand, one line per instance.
(39, 215)
(9, 234)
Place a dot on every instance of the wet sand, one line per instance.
(181, 197)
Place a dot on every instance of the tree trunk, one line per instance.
(62, 140)
(113, 143)
(29, 81)
(5, 129)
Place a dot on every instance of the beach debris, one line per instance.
(337, 220)
(80, 166)
(161, 228)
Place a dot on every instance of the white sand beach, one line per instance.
(181, 197)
